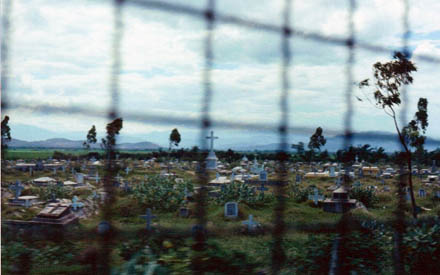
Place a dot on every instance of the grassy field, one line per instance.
(30, 154)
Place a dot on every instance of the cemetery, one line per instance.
(240, 199)
(252, 186)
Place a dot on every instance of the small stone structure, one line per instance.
(340, 202)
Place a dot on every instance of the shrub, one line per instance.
(161, 193)
(364, 195)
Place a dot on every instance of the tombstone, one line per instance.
(262, 188)
(126, 186)
(422, 193)
(75, 204)
(217, 176)
(316, 197)
(211, 160)
(97, 178)
(54, 170)
(232, 176)
(63, 168)
(31, 171)
(79, 178)
(357, 184)
(53, 197)
(183, 212)
(332, 172)
(148, 217)
(127, 170)
(95, 195)
(250, 224)
(17, 188)
(434, 167)
(386, 189)
(361, 173)
(263, 175)
(231, 209)
(407, 196)
(298, 178)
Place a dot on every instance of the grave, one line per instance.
(231, 210)
(148, 217)
(54, 214)
(183, 212)
(211, 160)
(422, 193)
(250, 224)
(340, 202)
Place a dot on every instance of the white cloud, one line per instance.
(61, 56)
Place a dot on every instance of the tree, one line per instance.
(389, 78)
(91, 138)
(299, 148)
(113, 128)
(317, 140)
(174, 138)
(6, 135)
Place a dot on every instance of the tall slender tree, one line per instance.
(6, 135)
(91, 138)
(390, 77)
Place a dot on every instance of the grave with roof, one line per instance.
(340, 201)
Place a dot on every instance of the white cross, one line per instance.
(212, 137)
(76, 204)
(250, 223)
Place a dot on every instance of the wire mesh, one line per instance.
(212, 18)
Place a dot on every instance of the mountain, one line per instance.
(376, 139)
(63, 143)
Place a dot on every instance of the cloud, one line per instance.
(61, 56)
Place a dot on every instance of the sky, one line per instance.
(60, 55)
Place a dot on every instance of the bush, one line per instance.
(364, 195)
(240, 192)
(422, 250)
(161, 193)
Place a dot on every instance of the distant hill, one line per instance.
(376, 139)
(63, 143)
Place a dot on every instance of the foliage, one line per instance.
(422, 249)
(317, 140)
(91, 138)
(18, 258)
(390, 77)
(365, 195)
(240, 192)
(6, 135)
(174, 137)
(53, 191)
(412, 132)
(173, 256)
(161, 193)
(301, 194)
(311, 257)
(366, 251)
(113, 129)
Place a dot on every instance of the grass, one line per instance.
(302, 219)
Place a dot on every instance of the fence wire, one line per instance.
(205, 122)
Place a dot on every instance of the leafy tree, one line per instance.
(299, 148)
(113, 128)
(91, 138)
(174, 138)
(389, 78)
(6, 135)
(317, 140)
